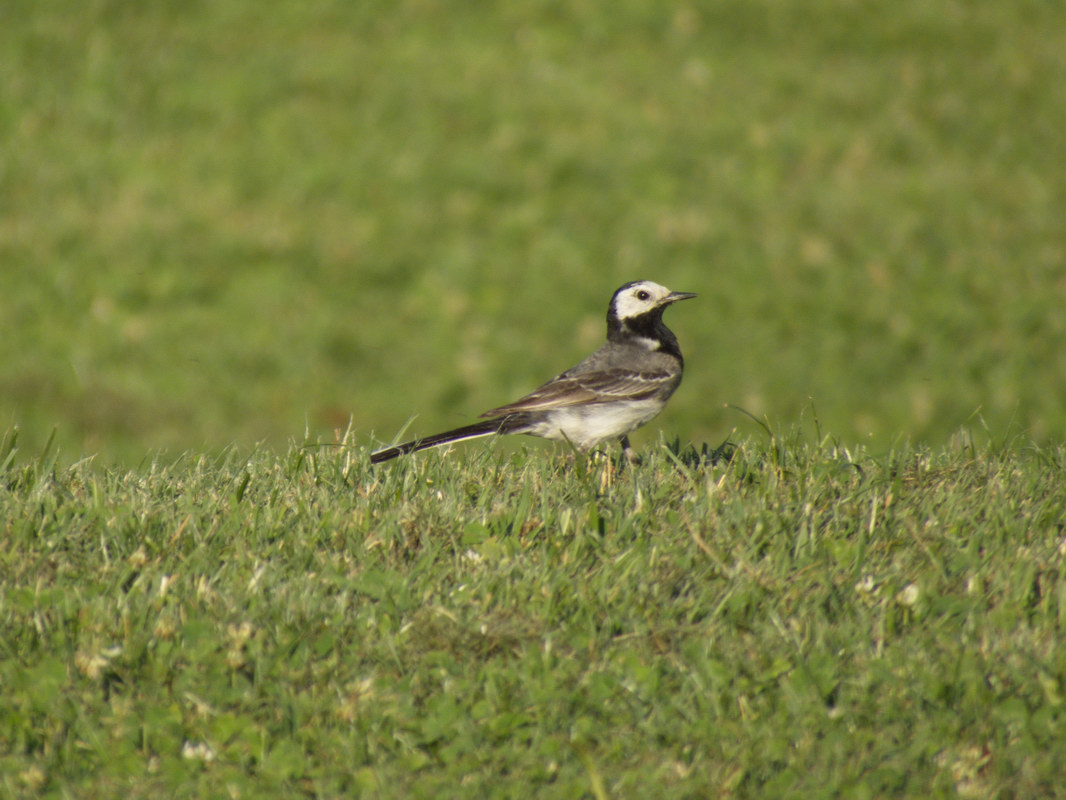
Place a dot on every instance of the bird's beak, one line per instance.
(673, 297)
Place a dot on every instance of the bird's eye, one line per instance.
(643, 295)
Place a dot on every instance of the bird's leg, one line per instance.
(627, 450)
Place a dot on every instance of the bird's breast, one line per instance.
(587, 426)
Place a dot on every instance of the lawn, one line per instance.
(243, 243)
(222, 224)
(800, 620)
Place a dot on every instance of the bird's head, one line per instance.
(640, 298)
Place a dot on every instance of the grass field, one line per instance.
(798, 621)
(223, 224)
(227, 227)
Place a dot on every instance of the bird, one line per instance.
(614, 391)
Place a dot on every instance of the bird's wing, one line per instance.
(601, 386)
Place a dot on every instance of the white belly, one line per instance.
(587, 426)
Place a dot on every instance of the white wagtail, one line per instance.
(612, 392)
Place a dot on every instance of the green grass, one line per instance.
(224, 224)
(802, 620)
(228, 225)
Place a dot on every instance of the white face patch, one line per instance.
(640, 298)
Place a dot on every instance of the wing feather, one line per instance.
(602, 386)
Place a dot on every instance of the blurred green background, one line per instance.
(225, 222)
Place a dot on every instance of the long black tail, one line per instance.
(486, 428)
